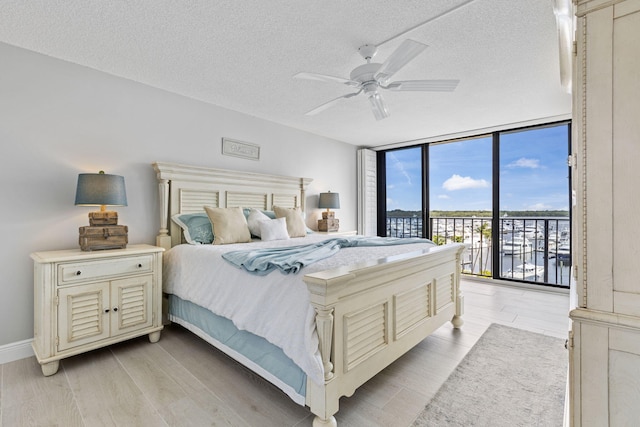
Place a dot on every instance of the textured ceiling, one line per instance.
(242, 55)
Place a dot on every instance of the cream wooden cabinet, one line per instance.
(87, 300)
(604, 359)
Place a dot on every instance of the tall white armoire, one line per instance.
(605, 343)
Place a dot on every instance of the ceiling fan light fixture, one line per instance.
(378, 105)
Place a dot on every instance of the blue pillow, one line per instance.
(247, 211)
(196, 228)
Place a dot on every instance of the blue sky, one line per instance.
(533, 173)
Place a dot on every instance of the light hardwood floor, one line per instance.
(181, 380)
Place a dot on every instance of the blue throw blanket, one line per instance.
(292, 258)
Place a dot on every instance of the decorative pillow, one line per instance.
(274, 229)
(229, 225)
(254, 219)
(270, 214)
(247, 211)
(196, 227)
(295, 224)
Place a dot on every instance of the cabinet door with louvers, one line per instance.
(131, 302)
(83, 314)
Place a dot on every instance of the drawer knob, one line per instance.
(106, 310)
(115, 308)
(78, 273)
(139, 265)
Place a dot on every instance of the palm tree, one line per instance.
(485, 233)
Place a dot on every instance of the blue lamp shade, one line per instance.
(100, 189)
(329, 201)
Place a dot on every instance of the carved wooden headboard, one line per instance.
(187, 189)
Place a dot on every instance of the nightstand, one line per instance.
(87, 300)
(338, 233)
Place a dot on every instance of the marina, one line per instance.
(534, 250)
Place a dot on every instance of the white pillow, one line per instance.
(295, 224)
(274, 229)
(254, 219)
(229, 225)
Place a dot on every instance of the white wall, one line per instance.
(58, 119)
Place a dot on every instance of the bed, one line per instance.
(357, 311)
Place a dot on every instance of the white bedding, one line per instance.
(276, 306)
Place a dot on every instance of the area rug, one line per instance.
(509, 378)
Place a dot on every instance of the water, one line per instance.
(558, 272)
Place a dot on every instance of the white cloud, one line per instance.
(443, 196)
(457, 182)
(523, 162)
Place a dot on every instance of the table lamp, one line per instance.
(103, 232)
(329, 201)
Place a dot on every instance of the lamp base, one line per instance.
(328, 224)
(103, 237)
(103, 218)
(328, 214)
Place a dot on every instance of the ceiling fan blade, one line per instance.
(329, 104)
(408, 50)
(425, 85)
(378, 106)
(325, 78)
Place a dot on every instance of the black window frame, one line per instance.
(495, 217)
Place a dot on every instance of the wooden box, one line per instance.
(107, 237)
(103, 218)
(328, 224)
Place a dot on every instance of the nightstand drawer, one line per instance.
(90, 270)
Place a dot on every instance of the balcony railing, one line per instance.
(534, 250)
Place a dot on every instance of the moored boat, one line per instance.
(526, 271)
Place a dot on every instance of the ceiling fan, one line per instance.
(371, 77)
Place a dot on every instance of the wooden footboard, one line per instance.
(371, 314)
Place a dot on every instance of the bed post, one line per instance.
(324, 326)
(322, 402)
(163, 239)
(457, 321)
(303, 186)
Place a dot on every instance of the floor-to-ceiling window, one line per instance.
(504, 195)
(460, 194)
(534, 205)
(404, 188)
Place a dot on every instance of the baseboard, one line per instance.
(16, 351)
